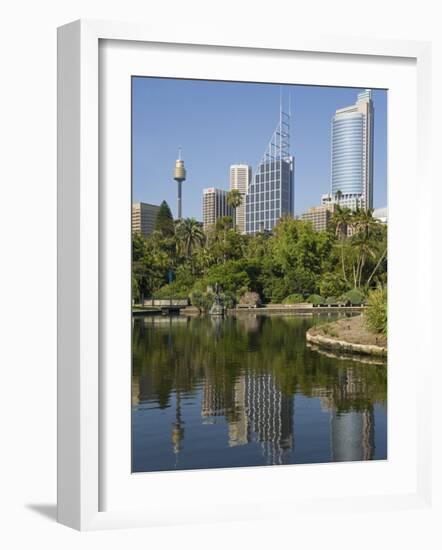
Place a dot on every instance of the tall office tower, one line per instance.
(271, 192)
(352, 154)
(143, 218)
(240, 177)
(214, 206)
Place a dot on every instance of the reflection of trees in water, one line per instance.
(248, 370)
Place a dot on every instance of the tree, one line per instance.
(338, 195)
(164, 223)
(369, 245)
(376, 316)
(341, 220)
(190, 235)
(363, 222)
(234, 199)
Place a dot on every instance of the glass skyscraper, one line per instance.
(270, 194)
(352, 154)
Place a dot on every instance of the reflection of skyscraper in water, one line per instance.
(255, 409)
(270, 414)
(352, 432)
(352, 436)
(213, 402)
(238, 423)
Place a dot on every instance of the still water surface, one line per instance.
(247, 391)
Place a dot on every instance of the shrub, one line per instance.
(332, 284)
(172, 291)
(231, 276)
(228, 299)
(293, 299)
(202, 300)
(376, 315)
(250, 299)
(332, 300)
(354, 297)
(315, 299)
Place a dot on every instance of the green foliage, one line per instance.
(332, 284)
(293, 299)
(190, 235)
(234, 198)
(353, 297)
(164, 223)
(232, 276)
(291, 260)
(172, 290)
(202, 300)
(376, 313)
(228, 299)
(332, 300)
(315, 299)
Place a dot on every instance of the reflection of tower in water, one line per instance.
(255, 409)
(352, 436)
(239, 423)
(213, 401)
(270, 414)
(352, 432)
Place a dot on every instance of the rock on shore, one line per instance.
(349, 335)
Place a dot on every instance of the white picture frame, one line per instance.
(80, 264)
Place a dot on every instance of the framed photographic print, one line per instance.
(228, 214)
(249, 297)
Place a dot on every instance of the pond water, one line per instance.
(246, 390)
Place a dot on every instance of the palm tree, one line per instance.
(234, 199)
(190, 235)
(364, 221)
(365, 249)
(338, 195)
(341, 219)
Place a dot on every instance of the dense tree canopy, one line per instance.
(292, 262)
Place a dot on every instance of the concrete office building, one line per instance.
(319, 216)
(214, 206)
(144, 217)
(240, 178)
(352, 154)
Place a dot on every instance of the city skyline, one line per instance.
(161, 124)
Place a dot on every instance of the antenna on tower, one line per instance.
(280, 103)
(179, 152)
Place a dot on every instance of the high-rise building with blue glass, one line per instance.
(352, 154)
(270, 194)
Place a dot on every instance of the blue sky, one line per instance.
(221, 123)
